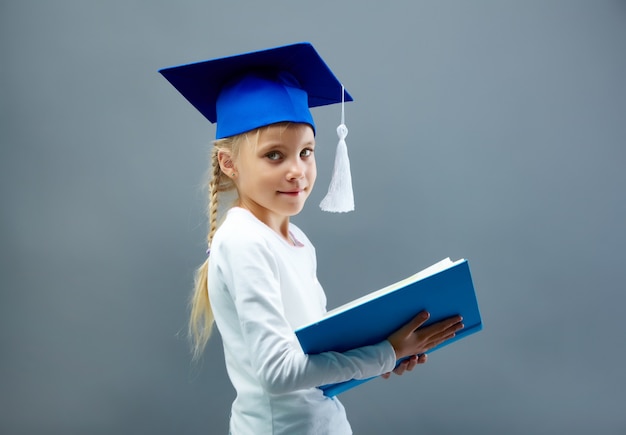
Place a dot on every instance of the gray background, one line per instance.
(490, 130)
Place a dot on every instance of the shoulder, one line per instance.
(240, 230)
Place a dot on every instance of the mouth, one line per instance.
(295, 192)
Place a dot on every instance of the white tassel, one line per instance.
(340, 198)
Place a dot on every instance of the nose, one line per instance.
(295, 170)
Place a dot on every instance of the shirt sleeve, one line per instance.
(274, 351)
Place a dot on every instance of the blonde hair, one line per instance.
(201, 315)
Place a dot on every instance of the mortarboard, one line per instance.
(251, 90)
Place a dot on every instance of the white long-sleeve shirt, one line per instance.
(261, 289)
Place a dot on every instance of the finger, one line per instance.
(450, 331)
(416, 322)
(452, 321)
(407, 365)
(445, 324)
(422, 358)
(437, 339)
(442, 328)
(385, 375)
(400, 369)
(411, 363)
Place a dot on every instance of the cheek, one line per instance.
(312, 172)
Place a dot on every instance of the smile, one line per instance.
(292, 192)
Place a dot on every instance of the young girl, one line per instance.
(259, 283)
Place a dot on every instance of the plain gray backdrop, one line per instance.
(489, 130)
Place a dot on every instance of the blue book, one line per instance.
(444, 289)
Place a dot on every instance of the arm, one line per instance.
(271, 346)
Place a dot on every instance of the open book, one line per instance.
(444, 289)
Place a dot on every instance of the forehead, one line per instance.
(288, 133)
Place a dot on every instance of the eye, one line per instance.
(273, 155)
(307, 152)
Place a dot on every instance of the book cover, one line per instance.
(444, 289)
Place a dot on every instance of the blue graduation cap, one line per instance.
(251, 90)
(247, 91)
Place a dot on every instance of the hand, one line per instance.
(413, 339)
(407, 365)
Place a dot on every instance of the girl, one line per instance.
(259, 282)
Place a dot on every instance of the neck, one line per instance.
(280, 224)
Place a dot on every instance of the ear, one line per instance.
(227, 165)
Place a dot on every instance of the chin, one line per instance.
(295, 212)
(292, 211)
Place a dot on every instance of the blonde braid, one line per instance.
(214, 188)
(201, 317)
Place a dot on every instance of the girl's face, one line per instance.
(275, 176)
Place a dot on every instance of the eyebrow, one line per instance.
(279, 144)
